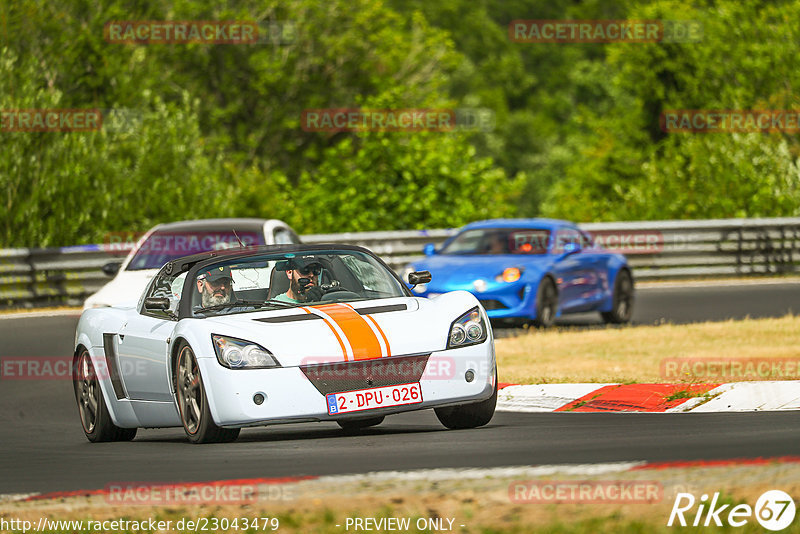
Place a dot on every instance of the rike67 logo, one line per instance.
(774, 510)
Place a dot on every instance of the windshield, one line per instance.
(488, 241)
(167, 245)
(285, 280)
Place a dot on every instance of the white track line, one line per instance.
(75, 312)
(754, 397)
(11, 497)
(677, 284)
(541, 397)
(760, 396)
(495, 472)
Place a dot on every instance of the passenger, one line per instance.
(214, 286)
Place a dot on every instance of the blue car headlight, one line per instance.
(236, 353)
(469, 329)
(511, 274)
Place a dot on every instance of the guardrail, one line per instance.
(655, 249)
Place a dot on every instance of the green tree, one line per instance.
(629, 168)
(72, 187)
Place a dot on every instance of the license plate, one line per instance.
(368, 399)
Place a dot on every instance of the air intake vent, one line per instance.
(493, 305)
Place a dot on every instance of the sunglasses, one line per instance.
(313, 269)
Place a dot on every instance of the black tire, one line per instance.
(622, 305)
(469, 415)
(358, 424)
(92, 409)
(546, 303)
(193, 402)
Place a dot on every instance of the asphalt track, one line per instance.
(42, 447)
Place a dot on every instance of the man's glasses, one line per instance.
(311, 269)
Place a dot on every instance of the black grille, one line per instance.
(311, 317)
(289, 318)
(351, 376)
(382, 309)
(493, 305)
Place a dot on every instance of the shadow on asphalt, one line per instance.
(307, 432)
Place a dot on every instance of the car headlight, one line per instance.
(512, 274)
(240, 354)
(469, 329)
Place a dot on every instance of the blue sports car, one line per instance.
(530, 270)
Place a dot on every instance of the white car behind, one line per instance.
(166, 242)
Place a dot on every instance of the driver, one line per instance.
(303, 281)
(214, 286)
(497, 244)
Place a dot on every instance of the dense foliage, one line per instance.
(215, 130)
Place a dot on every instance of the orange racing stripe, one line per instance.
(377, 327)
(362, 339)
(380, 330)
(335, 333)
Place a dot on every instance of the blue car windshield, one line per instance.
(488, 241)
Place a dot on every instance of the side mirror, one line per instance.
(419, 277)
(111, 268)
(429, 249)
(571, 248)
(156, 303)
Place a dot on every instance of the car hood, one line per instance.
(451, 268)
(340, 332)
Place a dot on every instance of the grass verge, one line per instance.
(465, 504)
(637, 354)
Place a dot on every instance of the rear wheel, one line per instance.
(358, 424)
(622, 305)
(95, 419)
(546, 303)
(469, 415)
(193, 403)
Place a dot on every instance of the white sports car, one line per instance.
(284, 334)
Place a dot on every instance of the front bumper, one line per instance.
(292, 397)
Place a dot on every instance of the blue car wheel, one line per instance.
(622, 307)
(546, 303)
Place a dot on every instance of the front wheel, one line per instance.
(546, 303)
(622, 300)
(193, 403)
(95, 419)
(469, 415)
